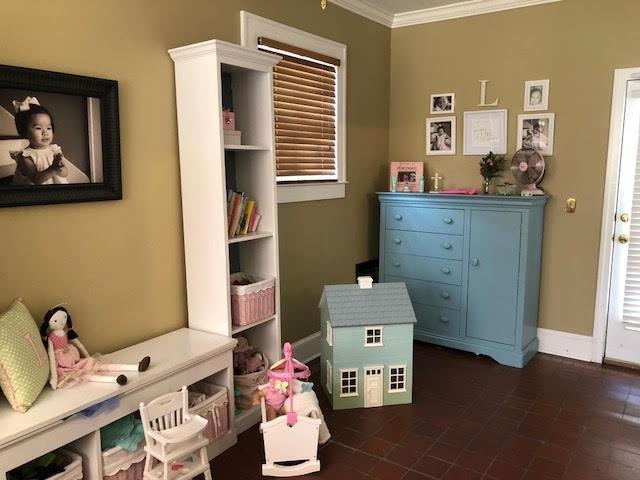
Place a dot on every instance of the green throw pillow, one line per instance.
(24, 365)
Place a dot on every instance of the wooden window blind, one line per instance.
(304, 92)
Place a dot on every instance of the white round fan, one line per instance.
(527, 167)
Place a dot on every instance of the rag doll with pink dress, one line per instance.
(69, 360)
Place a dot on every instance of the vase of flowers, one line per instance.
(490, 167)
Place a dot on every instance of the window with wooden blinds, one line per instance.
(305, 107)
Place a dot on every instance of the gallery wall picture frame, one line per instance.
(77, 159)
(536, 130)
(485, 131)
(442, 103)
(536, 95)
(440, 135)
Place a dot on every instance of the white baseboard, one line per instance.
(565, 344)
(554, 342)
(307, 348)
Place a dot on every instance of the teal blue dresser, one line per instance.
(472, 268)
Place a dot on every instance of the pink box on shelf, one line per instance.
(252, 298)
(228, 120)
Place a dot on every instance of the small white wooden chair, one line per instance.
(174, 438)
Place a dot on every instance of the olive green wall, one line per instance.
(120, 265)
(577, 44)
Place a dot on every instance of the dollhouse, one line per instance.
(367, 344)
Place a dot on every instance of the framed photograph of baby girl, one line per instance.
(59, 138)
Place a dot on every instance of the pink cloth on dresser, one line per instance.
(70, 366)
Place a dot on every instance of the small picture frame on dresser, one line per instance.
(406, 177)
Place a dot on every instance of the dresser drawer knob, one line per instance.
(398, 216)
(396, 264)
(444, 319)
(445, 295)
(447, 246)
(447, 220)
(397, 241)
(475, 262)
(445, 270)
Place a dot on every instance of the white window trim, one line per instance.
(329, 378)
(344, 370)
(399, 390)
(380, 344)
(253, 26)
(329, 334)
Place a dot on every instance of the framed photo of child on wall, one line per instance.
(536, 131)
(59, 138)
(441, 136)
(536, 95)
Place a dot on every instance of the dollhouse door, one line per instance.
(373, 387)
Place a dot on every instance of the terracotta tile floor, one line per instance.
(472, 418)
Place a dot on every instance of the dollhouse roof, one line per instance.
(383, 304)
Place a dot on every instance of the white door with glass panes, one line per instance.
(373, 387)
(623, 321)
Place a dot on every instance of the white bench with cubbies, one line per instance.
(182, 357)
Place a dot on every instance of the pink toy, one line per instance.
(460, 191)
(69, 360)
(287, 370)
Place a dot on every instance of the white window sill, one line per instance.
(308, 192)
(347, 395)
(402, 390)
(374, 345)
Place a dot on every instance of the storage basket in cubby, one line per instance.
(73, 470)
(119, 464)
(214, 407)
(252, 302)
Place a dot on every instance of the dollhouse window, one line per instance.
(329, 334)
(349, 383)
(373, 337)
(397, 378)
(329, 379)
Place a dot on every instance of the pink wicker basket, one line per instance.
(118, 464)
(215, 408)
(253, 302)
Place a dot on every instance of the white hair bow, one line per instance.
(25, 104)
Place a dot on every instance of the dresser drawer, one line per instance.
(437, 320)
(425, 244)
(417, 219)
(430, 293)
(424, 268)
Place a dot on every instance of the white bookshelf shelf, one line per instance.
(261, 148)
(248, 418)
(238, 329)
(250, 236)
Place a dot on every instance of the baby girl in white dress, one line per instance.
(42, 162)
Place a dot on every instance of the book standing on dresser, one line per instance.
(472, 268)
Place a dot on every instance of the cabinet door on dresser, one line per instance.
(494, 258)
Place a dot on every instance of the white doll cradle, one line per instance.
(283, 443)
(290, 437)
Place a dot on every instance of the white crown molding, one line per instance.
(436, 14)
(367, 10)
(461, 10)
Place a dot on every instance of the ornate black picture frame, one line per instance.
(84, 116)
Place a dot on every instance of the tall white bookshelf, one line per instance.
(208, 74)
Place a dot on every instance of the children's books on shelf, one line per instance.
(242, 214)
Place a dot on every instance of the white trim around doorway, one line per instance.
(622, 76)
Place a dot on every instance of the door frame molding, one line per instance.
(607, 229)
